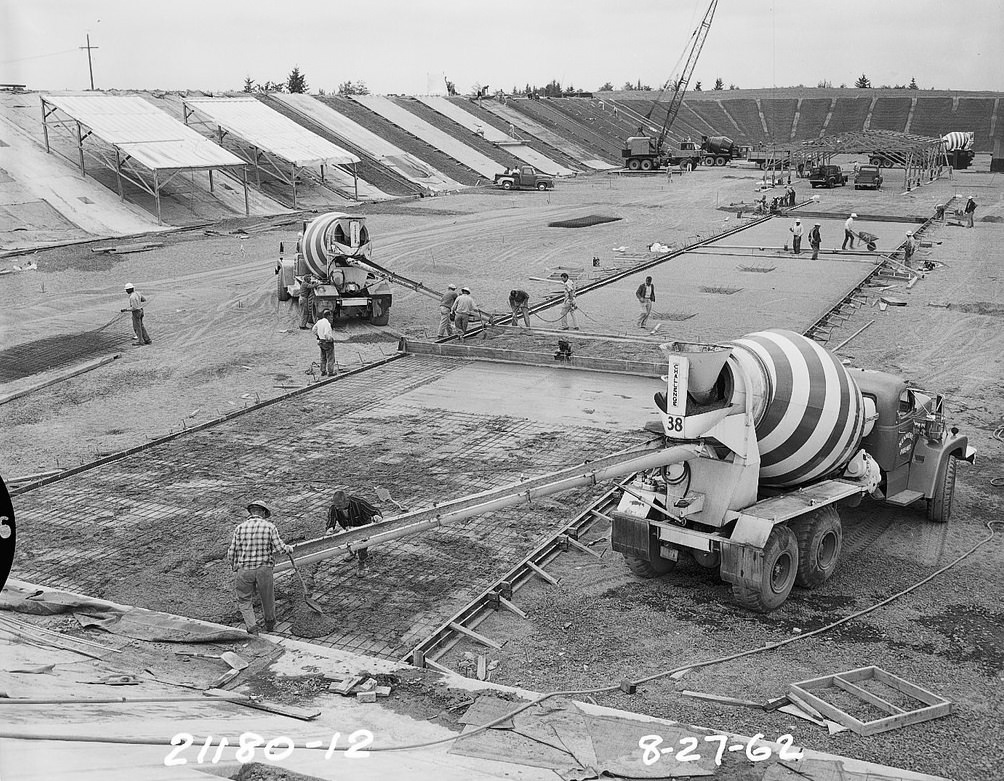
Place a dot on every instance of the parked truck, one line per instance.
(643, 153)
(334, 249)
(523, 178)
(718, 150)
(959, 148)
(780, 433)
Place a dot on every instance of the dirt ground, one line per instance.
(221, 341)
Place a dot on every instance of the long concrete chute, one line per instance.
(591, 473)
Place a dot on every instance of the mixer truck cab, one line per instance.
(778, 432)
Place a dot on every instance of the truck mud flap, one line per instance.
(633, 536)
(741, 562)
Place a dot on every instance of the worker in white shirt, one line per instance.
(326, 341)
(463, 308)
(568, 305)
(796, 237)
(849, 231)
(136, 301)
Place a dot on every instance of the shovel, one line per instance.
(306, 597)
(384, 496)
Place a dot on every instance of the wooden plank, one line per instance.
(473, 635)
(867, 696)
(437, 666)
(544, 575)
(724, 700)
(828, 711)
(904, 719)
(800, 703)
(579, 546)
(905, 687)
(511, 607)
(482, 667)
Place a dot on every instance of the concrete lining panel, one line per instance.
(433, 136)
(547, 136)
(494, 135)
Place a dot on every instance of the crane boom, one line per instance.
(699, 36)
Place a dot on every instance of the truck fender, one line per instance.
(741, 562)
(930, 462)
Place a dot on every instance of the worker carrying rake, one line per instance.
(350, 512)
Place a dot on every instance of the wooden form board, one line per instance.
(934, 706)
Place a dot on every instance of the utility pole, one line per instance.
(89, 66)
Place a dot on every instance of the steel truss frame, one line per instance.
(114, 158)
(261, 159)
(923, 158)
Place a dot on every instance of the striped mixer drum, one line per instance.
(333, 235)
(808, 412)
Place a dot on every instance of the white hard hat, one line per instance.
(465, 290)
(451, 286)
(797, 221)
(909, 233)
(129, 286)
(853, 214)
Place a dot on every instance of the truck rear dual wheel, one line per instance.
(634, 164)
(771, 587)
(820, 539)
(646, 165)
(939, 506)
(720, 161)
(648, 569)
(708, 161)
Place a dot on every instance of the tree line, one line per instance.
(296, 82)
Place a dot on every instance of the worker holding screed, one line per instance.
(350, 512)
(252, 556)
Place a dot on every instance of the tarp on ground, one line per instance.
(421, 129)
(494, 135)
(261, 126)
(537, 130)
(399, 161)
(152, 137)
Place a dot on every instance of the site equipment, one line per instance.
(785, 432)
(870, 240)
(335, 249)
(718, 150)
(959, 148)
(647, 153)
(868, 176)
(827, 176)
(524, 178)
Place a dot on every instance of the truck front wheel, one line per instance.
(541, 186)
(768, 590)
(820, 538)
(282, 292)
(648, 569)
(506, 184)
(939, 506)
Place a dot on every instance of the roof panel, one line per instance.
(267, 129)
(150, 136)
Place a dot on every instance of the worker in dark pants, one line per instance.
(815, 240)
(519, 303)
(350, 512)
(849, 231)
(136, 301)
(796, 237)
(251, 555)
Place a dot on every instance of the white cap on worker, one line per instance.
(129, 286)
(853, 214)
(909, 233)
(465, 290)
(797, 221)
(451, 286)
(817, 223)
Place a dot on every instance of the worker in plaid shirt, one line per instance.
(251, 556)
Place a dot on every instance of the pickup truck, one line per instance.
(827, 176)
(868, 176)
(523, 178)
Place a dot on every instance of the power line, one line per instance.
(90, 67)
(37, 56)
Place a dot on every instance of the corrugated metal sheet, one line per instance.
(150, 136)
(269, 130)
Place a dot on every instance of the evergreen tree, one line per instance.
(719, 84)
(863, 82)
(249, 84)
(913, 84)
(296, 82)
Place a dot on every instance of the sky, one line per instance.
(408, 46)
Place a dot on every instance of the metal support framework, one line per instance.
(286, 171)
(57, 125)
(923, 158)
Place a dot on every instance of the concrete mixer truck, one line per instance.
(779, 432)
(335, 249)
(959, 148)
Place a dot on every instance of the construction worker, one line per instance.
(136, 301)
(350, 512)
(849, 231)
(815, 241)
(463, 308)
(326, 341)
(969, 211)
(796, 237)
(646, 297)
(519, 303)
(251, 555)
(909, 247)
(307, 288)
(446, 311)
(568, 306)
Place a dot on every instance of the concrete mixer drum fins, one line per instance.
(784, 432)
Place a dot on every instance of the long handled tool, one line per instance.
(306, 597)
